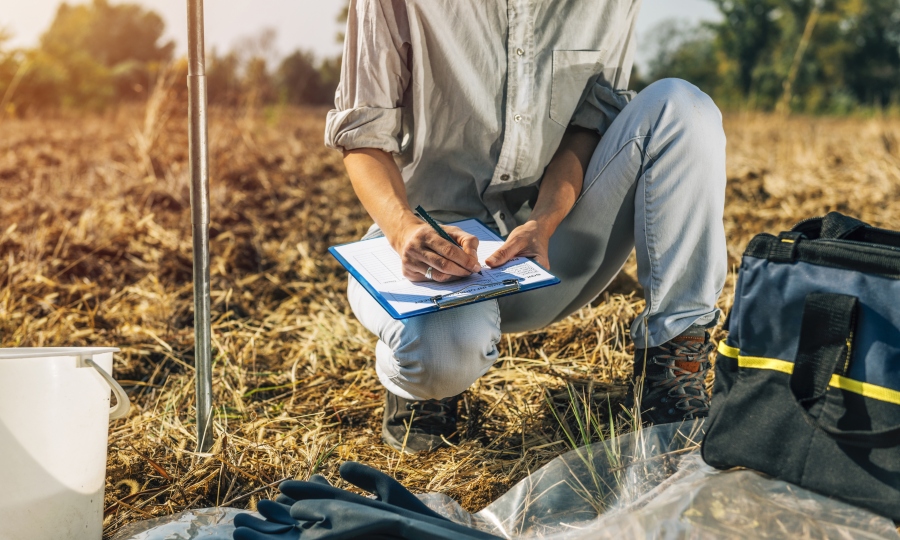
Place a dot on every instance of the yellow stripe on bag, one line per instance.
(730, 352)
(857, 387)
(772, 364)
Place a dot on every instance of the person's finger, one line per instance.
(443, 264)
(449, 251)
(469, 242)
(416, 276)
(504, 253)
(470, 246)
(414, 270)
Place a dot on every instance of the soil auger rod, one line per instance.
(199, 159)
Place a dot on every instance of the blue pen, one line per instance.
(437, 228)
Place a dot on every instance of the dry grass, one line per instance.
(95, 249)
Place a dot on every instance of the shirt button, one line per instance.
(502, 215)
(504, 177)
(517, 117)
(520, 51)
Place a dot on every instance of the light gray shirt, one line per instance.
(473, 96)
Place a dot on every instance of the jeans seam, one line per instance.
(499, 332)
(650, 159)
(649, 242)
(607, 164)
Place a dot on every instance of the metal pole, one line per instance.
(199, 159)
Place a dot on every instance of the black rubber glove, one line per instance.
(330, 519)
(318, 516)
(278, 525)
(324, 519)
(315, 510)
(385, 489)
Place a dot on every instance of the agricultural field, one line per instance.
(95, 249)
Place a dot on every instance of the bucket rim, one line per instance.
(8, 353)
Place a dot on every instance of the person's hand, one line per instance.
(527, 240)
(420, 247)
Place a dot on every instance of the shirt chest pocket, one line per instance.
(572, 72)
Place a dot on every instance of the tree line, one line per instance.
(812, 56)
(98, 54)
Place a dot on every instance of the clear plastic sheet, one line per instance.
(198, 524)
(647, 484)
(653, 484)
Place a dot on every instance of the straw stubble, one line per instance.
(95, 250)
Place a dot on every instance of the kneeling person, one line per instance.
(518, 115)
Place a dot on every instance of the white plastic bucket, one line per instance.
(54, 425)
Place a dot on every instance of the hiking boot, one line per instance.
(418, 426)
(673, 386)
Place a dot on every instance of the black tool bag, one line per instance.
(807, 385)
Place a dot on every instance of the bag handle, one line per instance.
(833, 225)
(837, 226)
(826, 331)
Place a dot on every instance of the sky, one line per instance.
(304, 24)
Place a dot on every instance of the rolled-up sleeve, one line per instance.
(374, 76)
(605, 98)
(600, 106)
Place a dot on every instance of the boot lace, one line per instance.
(686, 386)
(431, 413)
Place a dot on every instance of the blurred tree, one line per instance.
(844, 54)
(110, 34)
(123, 39)
(342, 18)
(258, 85)
(98, 53)
(12, 69)
(872, 62)
(254, 53)
(91, 55)
(747, 34)
(223, 81)
(75, 81)
(686, 51)
(298, 79)
(329, 77)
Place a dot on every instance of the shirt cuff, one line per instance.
(600, 107)
(364, 127)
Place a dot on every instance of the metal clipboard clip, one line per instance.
(444, 301)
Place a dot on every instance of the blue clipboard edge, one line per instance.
(430, 309)
(368, 287)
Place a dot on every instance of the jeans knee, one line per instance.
(685, 101)
(441, 355)
(683, 95)
(688, 123)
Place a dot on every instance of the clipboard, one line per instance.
(377, 267)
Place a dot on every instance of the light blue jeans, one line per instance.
(655, 183)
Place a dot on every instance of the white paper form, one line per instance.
(377, 263)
